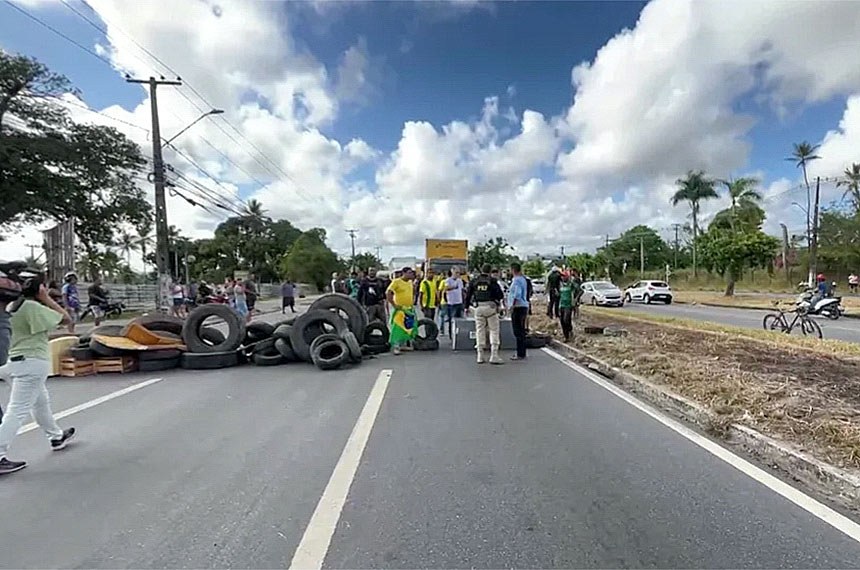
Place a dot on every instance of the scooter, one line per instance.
(829, 307)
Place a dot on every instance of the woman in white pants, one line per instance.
(32, 317)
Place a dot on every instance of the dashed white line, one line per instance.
(316, 539)
(802, 500)
(93, 403)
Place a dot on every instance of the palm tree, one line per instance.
(802, 154)
(127, 243)
(692, 189)
(254, 208)
(144, 231)
(851, 182)
(743, 195)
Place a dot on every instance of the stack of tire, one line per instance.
(329, 335)
(208, 348)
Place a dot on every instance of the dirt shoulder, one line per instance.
(796, 390)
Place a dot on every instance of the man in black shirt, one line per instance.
(553, 287)
(98, 299)
(488, 298)
(371, 295)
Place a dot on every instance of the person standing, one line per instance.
(402, 327)
(853, 282)
(454, 289)
(371, 296)
(553, 285)
(428, 295)
(177, 294)
(32, 318)
(565, 305)
(487, 296)
(71, 300)
(519, 303)
(241, 300)
(288, 296)
(250, 293)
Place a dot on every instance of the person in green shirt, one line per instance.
(33, 316)
(567, 297)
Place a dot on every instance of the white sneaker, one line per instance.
(494, 358)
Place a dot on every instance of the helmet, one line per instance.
(821, 277)
(69, 275)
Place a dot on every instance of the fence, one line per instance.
(146, 296)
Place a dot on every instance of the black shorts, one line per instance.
(288, 301)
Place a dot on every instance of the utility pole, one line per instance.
(677, 246)
(352, 239)
(562, 252)
(785, 253)
(162, 251)
(641, 257)
(379, 254)
(813, 247)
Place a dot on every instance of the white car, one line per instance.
(539, 286)
(602, 293)
(648, 291)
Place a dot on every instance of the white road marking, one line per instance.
(312, 550)
(93, 403)
(802, 500)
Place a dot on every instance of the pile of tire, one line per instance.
(208, 348)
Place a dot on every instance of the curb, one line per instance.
(839, 484)
(750, 308)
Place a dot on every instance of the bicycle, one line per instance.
(778, 322)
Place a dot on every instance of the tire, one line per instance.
(82, 353)
(668, 301)
(209, 360)
(158, 354)
(809, 327)
(431, 329)
(101, 350)
(426, 344)
(590, 330)
(211, 335)
(354, 347)
(158, 323)
(282, 331)
(156, 365)
(371, 349)
(324, 338)
(309, 326)
(771, 322)
(258, 331)
(330, 354)
(191, 330)
(285, 349)
(535, 342)
(355, 314)
(265, 346)
(291, 321)
(266, 359)
(628, 298)
(647, 299)
(376, 334)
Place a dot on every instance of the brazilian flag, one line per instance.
(403, 326)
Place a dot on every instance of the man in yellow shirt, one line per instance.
(428, 295)
(400, 296)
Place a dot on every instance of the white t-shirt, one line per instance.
(454, 291)
(178, 292)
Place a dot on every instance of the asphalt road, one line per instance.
(526, 465)
(843, 329)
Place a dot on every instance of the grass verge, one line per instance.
(749, 301)
(797, 390)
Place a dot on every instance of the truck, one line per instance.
(442, 255)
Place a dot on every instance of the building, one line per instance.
(401, 262)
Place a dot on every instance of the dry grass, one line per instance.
(741, 300)
(790, 391)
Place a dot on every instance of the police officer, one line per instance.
(486, 295)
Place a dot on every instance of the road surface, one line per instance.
(843, 329)
(449, 465)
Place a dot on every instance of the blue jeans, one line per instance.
(450, 313)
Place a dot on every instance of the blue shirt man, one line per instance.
(518, 293)
(518, 301)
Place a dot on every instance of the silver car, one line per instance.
(602, 293)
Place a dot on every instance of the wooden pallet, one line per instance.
(76, 368)
(121, 364)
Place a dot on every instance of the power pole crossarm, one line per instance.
(162, 252)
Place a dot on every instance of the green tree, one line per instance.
(53, 168)
(729, 252)
(839, 241)
(534, 268)
(744, 211)
(126, 242)
(310, 260)
(851, 183)
(364, 261)
(495, 252)
(624, 251)
(692, 189)
(588, 265)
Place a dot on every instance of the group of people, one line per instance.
(564, 290)
(240, 294)
(69, 299)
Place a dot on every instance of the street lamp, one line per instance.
(198, 119)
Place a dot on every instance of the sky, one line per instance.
(549, 123)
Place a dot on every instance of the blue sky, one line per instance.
(437, 62)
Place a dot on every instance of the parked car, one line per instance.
(539, 286)
(648, 291)
(602, 293)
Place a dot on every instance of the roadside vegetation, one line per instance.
(802, 391)
(761, 301)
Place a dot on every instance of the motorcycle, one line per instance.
(829, 307)
(109, 309)
(217, 299)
